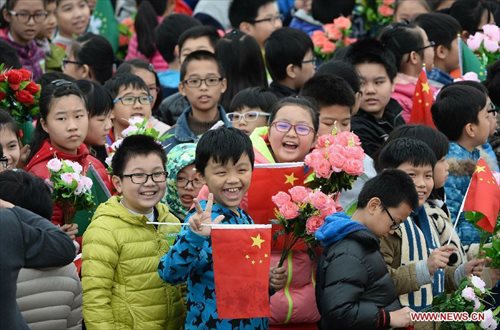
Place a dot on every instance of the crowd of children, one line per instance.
(228, 85)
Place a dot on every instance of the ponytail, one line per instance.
(145, 24)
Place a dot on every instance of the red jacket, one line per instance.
(38, 166)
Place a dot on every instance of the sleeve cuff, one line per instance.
(422, 272)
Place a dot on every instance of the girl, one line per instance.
(60, 133)
(413, 50)
(472, 15)
(19, 24)
(407, 10)
(72, 20)
(10, 139)
(90, 57)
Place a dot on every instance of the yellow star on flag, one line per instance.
(479, 169)
(425, 87)
(257, 241)
(290, 179)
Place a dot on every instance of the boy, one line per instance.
(378, 113)
(202, 83)
(443, 30)
(121, 250)
(290, 61)
(416, 260)
(54, 55)
(462, 114)
(354, 289)
(257, 18)
(193, 39)
(224, 158)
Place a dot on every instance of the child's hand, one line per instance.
(401, 318)
(70, 229)
(5, 205)
(474, 267)
(439, 258)
(203, 217)
(277, 278)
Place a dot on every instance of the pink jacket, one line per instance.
(404, 88)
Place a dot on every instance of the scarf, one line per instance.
(31, 56)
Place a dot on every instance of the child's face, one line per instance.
(195, 44)
(408, 10)
(10, 146)
(50, 24)
(334, 116)
(24, 27)
(290, 146)
(441, 173)
(99, 127)
(229, 183)
(384, 218)
(267, 20)
(121, 113)
(481, 131)
(189, 183)
(202, 98)
(376, 88)
(422, 177)
(304, 73)
(72, 68)
(142, 197)
(72, 17)
(67, 123)
(451, 58)
(149, 78)
(249, 119)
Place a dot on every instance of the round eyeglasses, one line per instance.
(25, 17)
(183, 182)
(285, 127)
(130, 100)
(196, 82)
(247, 116)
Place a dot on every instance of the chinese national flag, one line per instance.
(483, 197)
(241, 255)
(422, 102)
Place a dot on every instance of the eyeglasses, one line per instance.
(248, 116)
(431, 44)
(4, 163)
(24, 17)
(271, 20)
(312, 60)
(183, 182)
(493, 110)
(196, 82)
(65, 62)
(130, 100)
(139, 178)
(285, 127)
(394, 225)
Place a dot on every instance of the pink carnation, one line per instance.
(299, 194)
(323, 169)
(385, 10)
(319, 199)
(490, 45)
(328, 47)
(289, 210)
(491, 31)
(337, 157)
(313, 224)
(313, 158)
(474, 41)
(342, 22)
(281, 198)
(325, 141)
(353, 166)
(332, 32)
(67, 178)
(329, 208)
(54, 165)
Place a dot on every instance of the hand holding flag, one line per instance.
(203, 217)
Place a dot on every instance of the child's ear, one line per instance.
(223, 85)
(245, 27)
(469, 129)
(290, 71)
(117, 183)
(373, 205)
(87, 73)
(6, 15)
(44, 125)
(413, 57)
(441, 52)
(181, 89)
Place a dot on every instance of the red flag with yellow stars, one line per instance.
(241, 255)
(422, 102)
(483, 197)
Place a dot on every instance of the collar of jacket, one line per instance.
(182, 131)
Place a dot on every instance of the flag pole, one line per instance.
(459, 212)
(460, 55)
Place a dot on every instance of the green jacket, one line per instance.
(121, 286)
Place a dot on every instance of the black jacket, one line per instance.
(354, 289)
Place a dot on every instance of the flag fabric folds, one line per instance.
(241, 256)
(422, 102)
(104, 23)
(469, 61)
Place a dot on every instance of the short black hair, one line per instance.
(436, 140)
(169, 31)
(199, 31)
(372, 51)
(305, 103)
(286, 46)
(439, 27)
(405, 150)
(328, 90)
(245, 11)
(9, 56)
(492, 82)
(327, 10)
(221, 145)
(124, 80)
(49, 77)
(97, 98)
(133, 146)
(393, 187)
(7, 122)
(253, 97)
(469, 13)
(455, 107)
(342, 69)
(27, 191)
(200, 55)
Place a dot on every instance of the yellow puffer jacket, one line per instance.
(121, 286)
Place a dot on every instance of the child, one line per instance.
(183, 181)
(10, 140)
(258, 18)
(378, 114)
(121, 250)
(250, 108)
(20, 22)
(202, 83)
(442, 29)
(407, 10)
(73, 17)
(461, 113)
(412, 49)
(53, 54)
(290, 61)
(354, 289)
(224, 158)
(472, 15)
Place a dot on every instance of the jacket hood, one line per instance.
(336, 227)
(260, 142)
(48, 151)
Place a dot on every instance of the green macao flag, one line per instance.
(104, 22)
(469, 61)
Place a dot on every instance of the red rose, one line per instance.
(25, 74)
(25, 97)
(2, 95)
(32, 87)
(14, 77)
(3, 77)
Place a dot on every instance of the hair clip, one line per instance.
(61, 82)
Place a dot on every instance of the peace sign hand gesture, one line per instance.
(201, 220)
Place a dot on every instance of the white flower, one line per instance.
(67, 178)
(490, 45)
(489, 321)
(478, 283)
(129, 131)
(54, 165)
(468, 294)
(135, 120)
(77, 167)
(477, 304)
(109, 159)
(87, 183)
(492, 31)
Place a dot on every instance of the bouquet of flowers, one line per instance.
(485, 44)
(301, 212)
(336, 160)
(469, 297)
(375, 14)
(70, 188)
(334, 35)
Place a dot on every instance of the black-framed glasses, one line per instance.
(4, 163)
(139, 178)
(285, 127)
(312, 60)
(247, 116)
(196, 82)
(431, 44)
(394, 225)
(183, 182)
(493, 109)
(66, 62)
(130, 100)
(24, 17)
(271, 20)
